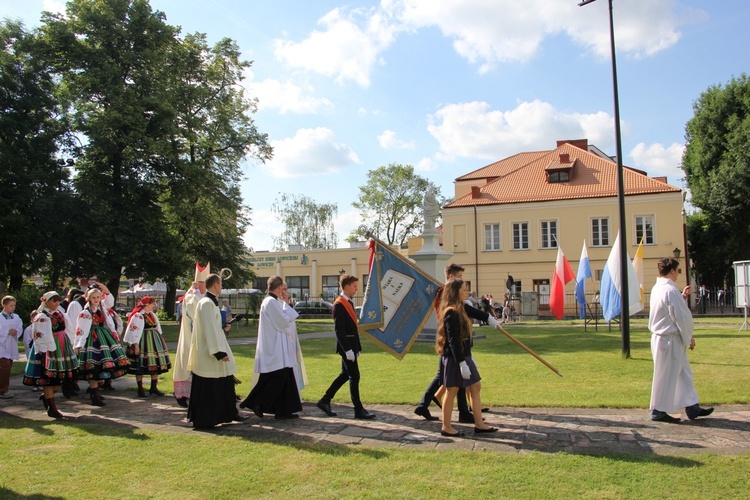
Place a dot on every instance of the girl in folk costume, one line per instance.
(117, 334)
(52, 360)
(100, 355)
(454, 344)
(147, 350)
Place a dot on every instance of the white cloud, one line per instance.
(426, 164)
(286, 97)
(388, 140)
(487, 33)
(345, 223)
(346, 48)
(265, 227)
(312, 151)
(658, 160)
(56, 6)
(473, 130)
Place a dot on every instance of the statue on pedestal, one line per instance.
(431, 211)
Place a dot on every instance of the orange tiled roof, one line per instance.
(522, 178)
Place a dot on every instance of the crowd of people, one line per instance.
(82, 339)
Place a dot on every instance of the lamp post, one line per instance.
(625, 314)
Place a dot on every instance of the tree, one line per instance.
(35, 187)
(391, 202)
(709, 239)
(306, 222)
(717, 162)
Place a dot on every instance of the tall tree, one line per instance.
(717, 161)
(306, 222)
(213, 136)
(34, 187)
(110, 57)
(391, 202)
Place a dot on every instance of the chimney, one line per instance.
(579, 143)
(661, 179)
(476, 192)
(564, 158)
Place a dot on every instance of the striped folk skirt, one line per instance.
(52, 368)
(102, 357)
(154, 356)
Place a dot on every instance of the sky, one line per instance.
(450, 86)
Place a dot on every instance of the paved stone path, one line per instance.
(591, 431)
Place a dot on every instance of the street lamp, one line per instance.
(625, 314)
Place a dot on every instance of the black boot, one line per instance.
(153, 390)
(141, 392)
(108, 385)
(67, 388)
(96, 399)
(52, 409)
(44, 400)
(90, 392)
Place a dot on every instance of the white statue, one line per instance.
(431, 210)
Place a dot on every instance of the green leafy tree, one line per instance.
(391, 202)
(35, 188)
(306, 222)
(717, 163)
(710, 250)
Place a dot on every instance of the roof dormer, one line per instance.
(560, 169)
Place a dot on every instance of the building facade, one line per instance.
(508, 219)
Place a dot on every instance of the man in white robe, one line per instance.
(180, 374)
(671, 325)
(212, 396)
(279, 369)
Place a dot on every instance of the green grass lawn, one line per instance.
(43, 459)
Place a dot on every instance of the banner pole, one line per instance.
(522, 346)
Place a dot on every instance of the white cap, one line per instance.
(201, 273)
(49, 295)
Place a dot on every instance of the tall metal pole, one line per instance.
(624, 289)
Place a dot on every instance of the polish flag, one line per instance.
(563, 275)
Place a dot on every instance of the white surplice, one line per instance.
(671, 324)
(209, 339)
(180, 371)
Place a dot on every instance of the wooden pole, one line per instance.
(522, 346)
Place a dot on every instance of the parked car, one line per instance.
(313, 307)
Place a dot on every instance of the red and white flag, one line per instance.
(563, 275)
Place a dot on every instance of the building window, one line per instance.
(491, 237)
(559, 176)
(549, 234)
(330, 287)
(600, 232)
(260, 283)
(298, 287)
(644, 228)
(520, 236)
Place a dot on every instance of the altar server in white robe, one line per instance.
(212, 396)
(671, 324)
(279, 372)
(181, 375)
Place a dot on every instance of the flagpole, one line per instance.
(522, 346)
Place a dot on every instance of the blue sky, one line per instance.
(452, 85)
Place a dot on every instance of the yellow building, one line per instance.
(312, 274)
(507, 219)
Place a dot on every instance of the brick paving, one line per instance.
(590, 431)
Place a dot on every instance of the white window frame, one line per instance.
(643, 228)
(495, 243)
(546, 233)
(513, 235)
(609, 230)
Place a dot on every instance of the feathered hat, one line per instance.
(201, 273)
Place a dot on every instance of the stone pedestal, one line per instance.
(432, 260)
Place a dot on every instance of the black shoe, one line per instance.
(155, 391)
(701, 412)
(256, 409)
(664, 417)
(289, 416)
(466, 418)
(182, 402)
(425, 413)
(448, 434)
(477, 430)
(363, 414)
(326, 408)
(239, 418)
(437, 402)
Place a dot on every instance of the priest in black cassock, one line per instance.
(212, 396)
(277, 357)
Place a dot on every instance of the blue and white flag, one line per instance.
(611, 292)
(584, 271)
(398, 300)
